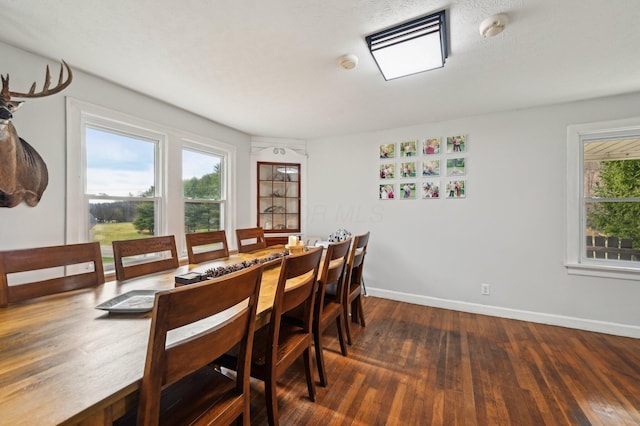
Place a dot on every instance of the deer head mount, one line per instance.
(23, 172)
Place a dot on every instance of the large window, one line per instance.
(603, 210)
(127, 179)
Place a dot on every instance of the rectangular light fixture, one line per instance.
(415, 46)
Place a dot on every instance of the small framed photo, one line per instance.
(430, 189)
(456, 189)
(408, 191)
(431, 146)
(431, 168)
(388, 151)
(456, 144)
(408, 170)
(387, 171)
(456, 166)
(408, 149)
(387, 191)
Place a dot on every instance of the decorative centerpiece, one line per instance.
(295, 246)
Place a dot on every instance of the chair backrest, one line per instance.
(334, 270)
(183, 306)
(296, 287)
(153, 245)
(250, 239)
(356, 259)
(33, 259)
(200, 239)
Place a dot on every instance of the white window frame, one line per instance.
(169, 168)
(576, 261)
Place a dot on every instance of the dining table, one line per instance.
(64, 362)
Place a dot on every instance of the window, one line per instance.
(202, 184)
(128, 178)
(603, 199)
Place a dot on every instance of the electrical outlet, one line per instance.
(485, 289)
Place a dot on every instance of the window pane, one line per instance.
(613, 231)
(119, 165)
(201, 217)
(119, 220)
(201, 175)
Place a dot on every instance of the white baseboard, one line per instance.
(497, 311)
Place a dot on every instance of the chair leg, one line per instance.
(361, 311)
(317, 341)
(272, 400)
(308, 364)
(354, 310)
(347, 327)
(340, 324)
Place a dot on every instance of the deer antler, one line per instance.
(45, 89)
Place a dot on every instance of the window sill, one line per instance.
(603, 271)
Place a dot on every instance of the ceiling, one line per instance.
(270, 68)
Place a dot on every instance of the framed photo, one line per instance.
(388, 150)
(387, 171)
(431, 146)
(408, 191)
(456, 189)
(456, 144)
(387, 191)
(408, 149)
(430, 189)
(456, 166)
(408, 170)
(431, 168)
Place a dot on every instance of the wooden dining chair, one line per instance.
(214, 243)
(328, 307)
(179, 385)
(156, 246)
(40, 258)
(279, 344)
(250, 239)
(352, 298)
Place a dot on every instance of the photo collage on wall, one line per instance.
(430, 168)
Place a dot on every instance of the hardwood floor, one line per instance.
(415, 365)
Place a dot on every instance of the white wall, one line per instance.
(41, 122)
(509, 232)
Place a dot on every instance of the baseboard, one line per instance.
(497, 311)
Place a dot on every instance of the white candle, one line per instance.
(293, 240)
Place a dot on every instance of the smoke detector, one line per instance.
(348, 62)
(493, 25)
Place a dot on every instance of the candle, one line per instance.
(293, 240)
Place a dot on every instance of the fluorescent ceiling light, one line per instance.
(409, 48)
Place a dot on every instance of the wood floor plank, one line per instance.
(416, 365)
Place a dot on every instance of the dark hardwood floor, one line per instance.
(415, 365)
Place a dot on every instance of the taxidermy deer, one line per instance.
(23, 173)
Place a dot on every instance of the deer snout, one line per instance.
(5, 114)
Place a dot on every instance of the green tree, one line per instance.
(617, 179)
(200, 216)
(145, 219)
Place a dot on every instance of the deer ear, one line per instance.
(15, 105)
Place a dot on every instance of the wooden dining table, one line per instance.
(62, 361)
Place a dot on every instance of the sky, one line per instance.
(119, 165)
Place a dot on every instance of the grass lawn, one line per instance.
(104, 233)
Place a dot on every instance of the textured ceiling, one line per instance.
(269, 68)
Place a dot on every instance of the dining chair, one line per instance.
(179, 384)
(41, 258)
(250, 239)
(328, 308)
(277, 346)
(352, 296)
(205, 246)
(155, 246)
